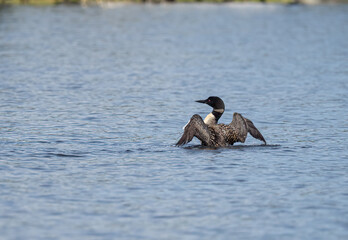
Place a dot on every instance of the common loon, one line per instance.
(213, 134)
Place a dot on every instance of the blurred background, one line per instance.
(84, 2)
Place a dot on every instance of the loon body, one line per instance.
(213, 134)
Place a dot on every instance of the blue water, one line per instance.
(93, 99)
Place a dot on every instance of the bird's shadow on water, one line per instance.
(234, 147)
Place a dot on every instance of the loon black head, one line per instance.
(214, 102)
(218, 109)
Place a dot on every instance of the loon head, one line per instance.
(215, 102)
(218, 109)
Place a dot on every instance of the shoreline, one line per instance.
(101, 2)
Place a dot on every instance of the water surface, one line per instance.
(93, 99)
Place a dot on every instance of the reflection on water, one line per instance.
(92, 101)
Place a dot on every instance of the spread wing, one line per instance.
(195, 128)
(254, 131)
(240, 125)
(243, 126)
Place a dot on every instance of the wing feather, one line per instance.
(244, 126)
(239, 124)
(195, 128)
(254, 131)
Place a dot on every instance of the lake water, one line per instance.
(93, 99)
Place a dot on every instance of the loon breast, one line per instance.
(210, 119)
(213, 117)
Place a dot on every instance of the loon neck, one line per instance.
(213, 117)
(217, 113)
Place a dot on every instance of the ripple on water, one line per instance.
(94, 99)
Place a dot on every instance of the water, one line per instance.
(93, 100)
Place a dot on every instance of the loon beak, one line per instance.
(202, 101)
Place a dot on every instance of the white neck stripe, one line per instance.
(219, 110)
